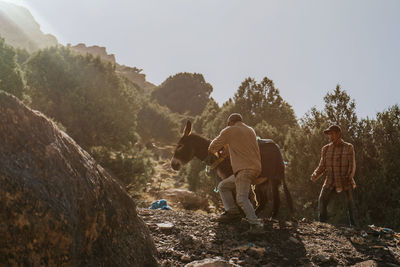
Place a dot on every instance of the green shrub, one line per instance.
(131, 168)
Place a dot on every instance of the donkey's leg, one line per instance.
(275, 195)
(261, 191)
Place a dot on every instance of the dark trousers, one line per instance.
(324, 198)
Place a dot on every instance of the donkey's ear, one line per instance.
(188, 128)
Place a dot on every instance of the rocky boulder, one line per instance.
(98, 51)
(188, 199)
(58, 207)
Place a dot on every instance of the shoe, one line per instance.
(256, 228)
(229, 216)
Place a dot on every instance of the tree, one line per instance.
(199, 181)
(184, 92)
(262, 101)
(203, 123)
(134, 168)
(157, 123)
(267, 131)
(381, 191)
(302, 152)
(10, 75)
(340, 110)
(96, 106)
(22, 56)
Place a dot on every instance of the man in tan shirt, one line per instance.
(246, 164)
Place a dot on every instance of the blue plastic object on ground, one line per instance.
(160, 204)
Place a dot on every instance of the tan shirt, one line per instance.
(243, 147)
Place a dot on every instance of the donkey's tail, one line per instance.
(289, 199)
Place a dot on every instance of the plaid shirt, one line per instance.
(339, 165)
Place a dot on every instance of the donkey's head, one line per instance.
(185, 149)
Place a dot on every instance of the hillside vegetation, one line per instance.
(118, 119)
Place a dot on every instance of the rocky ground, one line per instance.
(183, 236)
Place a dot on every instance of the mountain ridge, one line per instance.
(20, 29)
(131, 73)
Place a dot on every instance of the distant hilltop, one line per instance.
(94, 50)
(131, 73)
(20, 30)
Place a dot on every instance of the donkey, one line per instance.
(192, 145)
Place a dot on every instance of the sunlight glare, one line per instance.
(45, 27)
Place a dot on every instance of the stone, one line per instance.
(242, 248)
(234, 260)
(294, 240)
(320, 258)
(357, 240)
(186, 258)
(58, 206)
(188, 199)
(164, 175)
(369, 263)
(211, 263)
(256, 251)
(288, 224)
(165, 227)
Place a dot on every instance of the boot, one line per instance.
(229, 216)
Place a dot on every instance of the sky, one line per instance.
(306, 47)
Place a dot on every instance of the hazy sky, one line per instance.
(306, 47)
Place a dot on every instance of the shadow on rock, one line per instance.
(58, 207)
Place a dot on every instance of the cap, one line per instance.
(333, 128)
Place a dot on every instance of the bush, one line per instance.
(85, 94)
(199, 181)
(157, 123)
(184, 93)
(10, 75)
(134, 169)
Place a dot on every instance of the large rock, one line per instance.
(57, 206)
(95, 50)
(188, 199)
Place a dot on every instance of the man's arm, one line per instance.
(352, 166)
(320, 170)
(219, 141)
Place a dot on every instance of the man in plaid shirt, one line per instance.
(339, 165)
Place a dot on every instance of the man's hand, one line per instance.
(223, 152)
